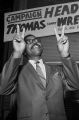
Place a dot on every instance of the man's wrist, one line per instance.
(17, 54)
(66, 56)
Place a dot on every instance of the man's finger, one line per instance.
(18, 30)
(23, 33)
(63, 30)
(57, 36)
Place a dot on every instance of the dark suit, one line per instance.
(33, 99)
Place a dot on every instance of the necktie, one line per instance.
(42, 77)
(40, 73)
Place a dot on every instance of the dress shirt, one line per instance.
(41, 64)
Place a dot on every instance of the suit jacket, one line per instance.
(33, 99)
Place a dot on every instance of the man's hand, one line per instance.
(62, 43)
(18, 43)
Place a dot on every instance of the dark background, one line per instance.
(5, 6)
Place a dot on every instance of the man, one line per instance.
(39, 97)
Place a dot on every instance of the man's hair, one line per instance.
(25, 38)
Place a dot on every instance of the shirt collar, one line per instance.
(33, 61)
(40, 61)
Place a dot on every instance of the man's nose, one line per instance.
(35, 41)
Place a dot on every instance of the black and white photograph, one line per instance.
(39, 63)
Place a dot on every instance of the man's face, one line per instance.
(33, 46)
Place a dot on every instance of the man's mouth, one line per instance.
(36, 46)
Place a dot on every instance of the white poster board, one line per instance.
(41, 21)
